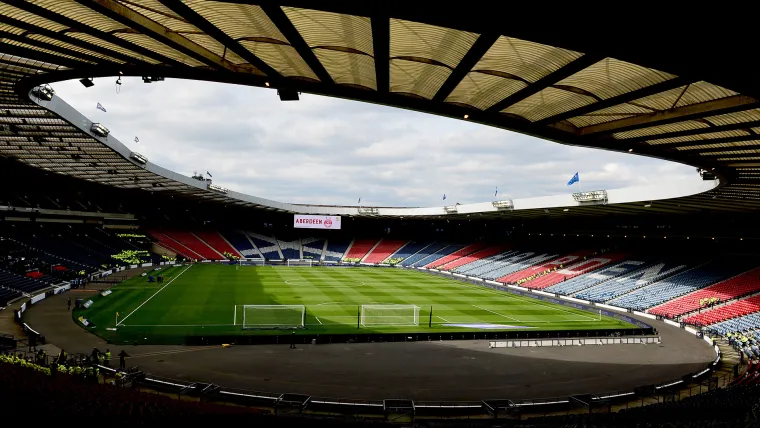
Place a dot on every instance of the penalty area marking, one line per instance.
(496, 313)
(298, 282)
(234, 318)
(152, 296)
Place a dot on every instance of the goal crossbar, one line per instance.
(273, 316)
(390, 315)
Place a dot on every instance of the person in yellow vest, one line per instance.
(108, 358)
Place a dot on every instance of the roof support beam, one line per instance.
(70, 40)
(40, 56)
(470, 59)
(82, 28)
(698, 131)
(197, 20)
(381, 42)
(620, 99)
(56, 48)
(281, 21)
(693, 111)
(132, 19)
(736, 139)
(579, 64)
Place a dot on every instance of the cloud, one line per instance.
(330, 151)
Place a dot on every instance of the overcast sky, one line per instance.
(330, 151)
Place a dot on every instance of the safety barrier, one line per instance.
(539, 343)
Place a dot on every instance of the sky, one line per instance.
(324, 150)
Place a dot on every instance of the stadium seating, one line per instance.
(483, 265)
(268, 247)
(730, 310)
(638, 278)
(215, 240)
(360, 248)
(741, 285)
(514, 263)
(745, 323)
(583, 282)
(312, 248)
(473, 257)
(174, 246)
(21, 283)
(383, 250)
(539, 267)
(6, 295)
(682, 283)
(335, 249)
(408, 250)
(422, 253)
(290, 249)
(189, 240)
(241, 244)
(587, 265)
(456, 255)
(441, 252)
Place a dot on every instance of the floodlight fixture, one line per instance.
(216, 188)
(287, 95)
(44, 92)
(138, 157)
(99, 130)
(87, 82)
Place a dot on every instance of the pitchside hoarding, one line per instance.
(316, 221)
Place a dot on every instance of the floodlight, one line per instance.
(216, 188)
(287, 95)
(44, 92)
(138, 157)
(87, 82)
(99, 130)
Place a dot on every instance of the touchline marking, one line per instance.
(152, 296)
(501, 315)
(176, 325)
(234, 318)
(174, 351)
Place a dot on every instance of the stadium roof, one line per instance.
(655, 89)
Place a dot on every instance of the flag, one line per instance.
(444, 196)
(137, 140)
(117, 314)
(359, 201)
(100, 107)
(575, 179)
(209, 174)
(496, 192)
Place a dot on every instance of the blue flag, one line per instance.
(100, 107)
(575, 179)
(444, 196)
(496, 192)
(359, 201)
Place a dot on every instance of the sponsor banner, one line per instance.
(87, 304)
(645, 315)
(492, 282)
(543, 293)
(106, 273)
(132, 266)
(146, 264)
(301, 221)
(37, 298)
(690, 330)
(105, 293)
(23, 308)
(85, 322)
(172, 262)
(61, 289)
(673, 323)
(614, 308)
(457, 274)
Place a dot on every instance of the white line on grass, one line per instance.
(317, 318)
(444, 319)
(153, 295)
(501, 315)
(175, 325)
(234, 318)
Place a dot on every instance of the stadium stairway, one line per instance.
(383, 250)
(737, 287)
(456, 255)
(360, 248)
(559, 263)
(313, 248)
(514, 263)
(408, 250)
(217, 242)
(192, 242)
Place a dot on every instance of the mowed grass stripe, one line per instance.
(202, 302)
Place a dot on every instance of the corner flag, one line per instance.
(575, 179)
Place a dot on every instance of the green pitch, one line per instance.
(208, 299)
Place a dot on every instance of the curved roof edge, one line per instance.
(641, 194)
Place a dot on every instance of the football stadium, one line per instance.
(131, 292)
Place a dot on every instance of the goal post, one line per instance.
(390, 315)
(273, 316)
(252, 262)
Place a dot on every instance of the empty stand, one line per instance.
(312, 248)
(538, 268)
(189, 240)
(469, 249)
(335, 249)
(583, 282)
(647, 274)
(589, 264)
(268, 247)
(738, 286)
(241, 244)
(216, 241)
(360, 248)
(738, 308)
(383, 250)
(472, 257)
(408, 250)
(290, 249)
(174, 246)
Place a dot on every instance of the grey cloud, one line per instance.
(330, 151)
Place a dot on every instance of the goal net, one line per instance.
(273, 316)
(252, 262)
(305, 262)
(390, 315)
